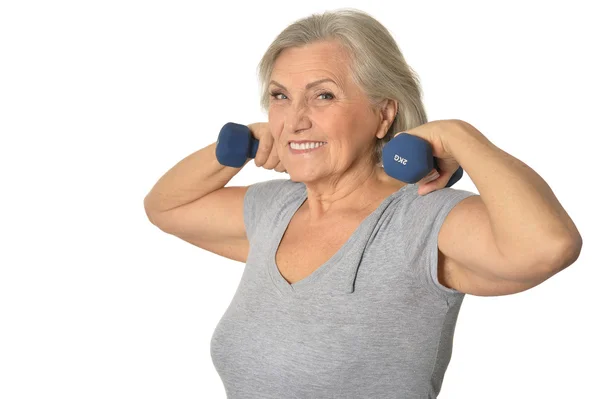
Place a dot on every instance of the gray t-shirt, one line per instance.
(371, 322)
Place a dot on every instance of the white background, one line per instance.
(99, 98)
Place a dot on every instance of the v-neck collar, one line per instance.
(336, 279)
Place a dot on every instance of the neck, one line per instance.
(350, 193)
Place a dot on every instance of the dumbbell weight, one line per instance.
(409, 158)
(235, 145)
(406, 157)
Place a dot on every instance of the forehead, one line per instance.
(297, 65)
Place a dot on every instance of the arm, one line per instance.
(511, 237)
(192, 178)
(190, 201)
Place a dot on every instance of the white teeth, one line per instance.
(306, 146)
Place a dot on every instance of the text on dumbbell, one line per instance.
(399, 159)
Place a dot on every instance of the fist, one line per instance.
(266, 155)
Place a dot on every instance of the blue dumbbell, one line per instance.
(235, 145)
(406, 157)
(409, 158)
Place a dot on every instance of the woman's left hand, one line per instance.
(437, 133)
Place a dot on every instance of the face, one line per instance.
(313, 98)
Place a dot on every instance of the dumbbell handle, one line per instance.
(253, 147)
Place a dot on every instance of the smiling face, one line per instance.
(313, 98)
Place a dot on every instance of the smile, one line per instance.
(303, 148)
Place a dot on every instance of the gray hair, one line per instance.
(377, 64)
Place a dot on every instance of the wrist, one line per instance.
(462, 137)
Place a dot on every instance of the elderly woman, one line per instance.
(353, 279)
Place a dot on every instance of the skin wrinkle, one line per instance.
(308, 86)
(341, 177)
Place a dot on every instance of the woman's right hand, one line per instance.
(266, 155)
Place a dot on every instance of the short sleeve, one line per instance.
(260, 201)
(436, 207)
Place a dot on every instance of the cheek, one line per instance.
(274, 115)
(275, 124)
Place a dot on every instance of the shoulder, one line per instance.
(265, 200)
(439, 199)
(421, 217)
(432, 210)
(274, 189)
(434, 205)
(275, 184)
(415, 224)
(272, 195)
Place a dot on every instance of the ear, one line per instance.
(388, 113)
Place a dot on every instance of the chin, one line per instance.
(302, 177)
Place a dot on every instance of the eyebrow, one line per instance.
(308, 86)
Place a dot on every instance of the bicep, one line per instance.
(466, 237)
(214, 222)
(470, 260)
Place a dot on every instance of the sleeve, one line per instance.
(258, 202)
(436, 207)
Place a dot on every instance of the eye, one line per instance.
(326, 93)
(274, 95)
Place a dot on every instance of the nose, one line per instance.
(296, 118)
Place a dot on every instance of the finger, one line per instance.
(273, 160)
(431, 176)
(265, 147)
(434, 181)
(422, 185)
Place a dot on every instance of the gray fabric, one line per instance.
(371, 322)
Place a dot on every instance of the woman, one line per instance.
(353, 280)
